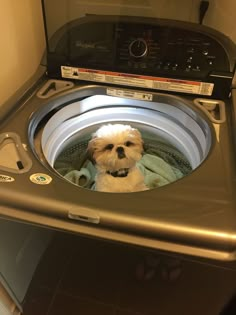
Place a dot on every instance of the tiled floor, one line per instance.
(89, 277)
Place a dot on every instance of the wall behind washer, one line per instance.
(22, 43)
(222, 16)
(22, 34)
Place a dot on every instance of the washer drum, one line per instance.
(171, 124)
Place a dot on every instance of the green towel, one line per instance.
(169, 154)
(84, 177)
(157, 172)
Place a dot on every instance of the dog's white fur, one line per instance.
(115, 148)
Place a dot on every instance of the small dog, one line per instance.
(115, 149)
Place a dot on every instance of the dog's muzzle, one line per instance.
(120, 152)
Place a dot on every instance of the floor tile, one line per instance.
(67, 305)
(37, 301)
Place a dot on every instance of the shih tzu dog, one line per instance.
(115, 149)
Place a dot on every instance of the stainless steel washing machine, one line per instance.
(174, 82)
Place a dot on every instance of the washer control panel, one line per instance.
(167, 50)
(105, 49)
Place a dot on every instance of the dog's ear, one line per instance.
(138, 137)
(90, 150)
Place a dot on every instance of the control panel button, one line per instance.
(167, 65)
(191, 50)
(211, 60)
(190, 59)
(175, 66)
(188, 68)
(159, 65)
(196, 68)
(138, 48)
(205, 52)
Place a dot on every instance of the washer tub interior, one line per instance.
(175, 132)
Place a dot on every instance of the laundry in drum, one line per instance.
(161, 163)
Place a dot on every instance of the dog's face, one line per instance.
(116, 146)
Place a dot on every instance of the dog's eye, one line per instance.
(109, 147)
(128, 143)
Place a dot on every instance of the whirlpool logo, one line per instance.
(6, 179)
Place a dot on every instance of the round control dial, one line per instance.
(138, 48)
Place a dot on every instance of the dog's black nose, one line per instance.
(119, 149)
(121, 152)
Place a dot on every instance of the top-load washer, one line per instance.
(173, 81)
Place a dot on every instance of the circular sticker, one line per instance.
(41, 179)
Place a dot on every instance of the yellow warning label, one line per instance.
(142, 81)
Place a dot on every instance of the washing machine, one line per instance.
(174, 81)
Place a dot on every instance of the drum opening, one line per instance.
(176, 139)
